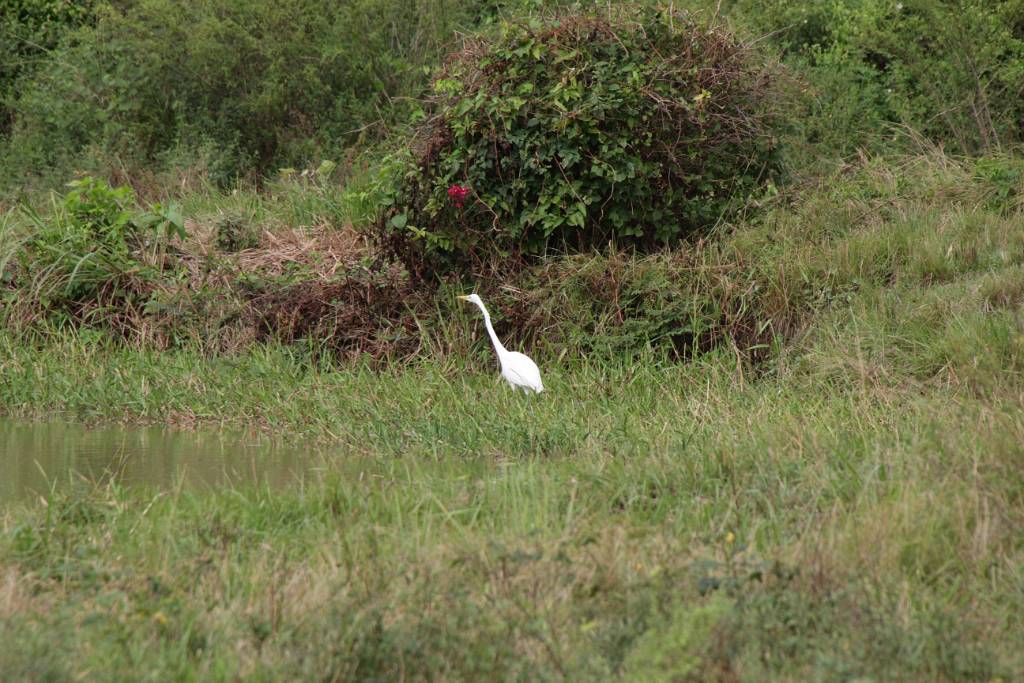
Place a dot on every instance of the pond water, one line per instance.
(39, 457)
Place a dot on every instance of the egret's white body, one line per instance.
(518, 369)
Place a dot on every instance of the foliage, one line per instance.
(1005, 176)
(141, 92)
(90, 250)
(234, 88)
(235, 234)
(949, 69)
(642, 128)
(29, 31)
(286, 265)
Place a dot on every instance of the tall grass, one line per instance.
(660, 520)
(842, 505)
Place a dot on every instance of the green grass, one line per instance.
(845, 506)
(462, 532)
(465, 532)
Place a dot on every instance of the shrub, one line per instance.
(237, 87)
(29, 29)
(1004, 175)
(233, 233)
(639, 127)
(950, 69)
(75, 255)
(89, 253)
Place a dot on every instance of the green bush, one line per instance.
(1004, 175)
(231, 88)
(640, 127)
(93, 251)
(952, 70)
(29, 30)
(77, 254)
(240, 85)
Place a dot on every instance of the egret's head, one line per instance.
(471, 298)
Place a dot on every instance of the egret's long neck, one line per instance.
(498, 346)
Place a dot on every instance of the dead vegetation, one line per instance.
(318, 285)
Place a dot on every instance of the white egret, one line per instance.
(517, 368)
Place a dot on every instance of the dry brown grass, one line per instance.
(317, 283)
(323, 252)
(17, 596)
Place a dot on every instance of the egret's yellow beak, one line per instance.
(464, 297)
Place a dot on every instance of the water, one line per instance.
(39, 457)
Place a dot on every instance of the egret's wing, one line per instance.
(522, 369)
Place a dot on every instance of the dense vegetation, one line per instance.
(782, 434)
(574, 133)
(153, 83)
(948, 70)
(137, 89)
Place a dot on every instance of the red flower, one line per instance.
(458, 193)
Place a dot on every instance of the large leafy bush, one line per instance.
(639, 127)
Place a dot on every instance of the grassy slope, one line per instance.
(851, 509)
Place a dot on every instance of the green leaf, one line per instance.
(325, 168)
